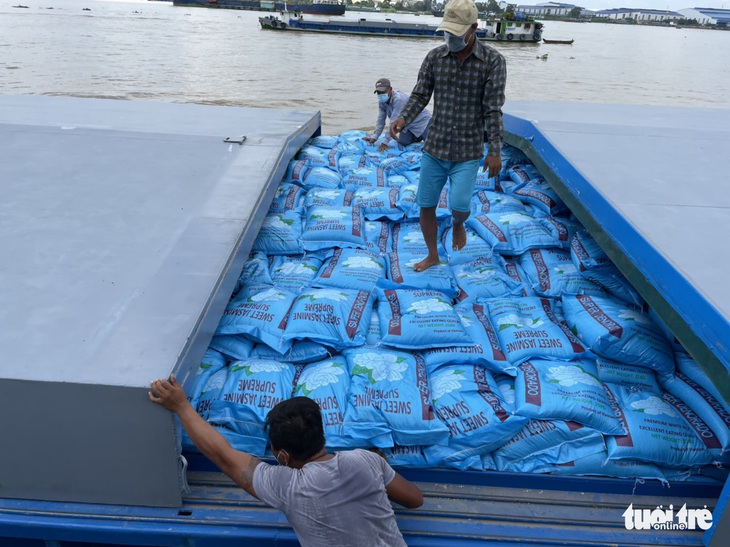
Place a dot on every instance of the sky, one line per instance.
(672, 5)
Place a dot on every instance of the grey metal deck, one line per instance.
(125, 225)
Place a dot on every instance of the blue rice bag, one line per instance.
(327, 383)
(338, 318)
(707, 407)
(351, 135)
(356, 269)
(365, 177)
(512, 233)
(260, 314)
(300, 352)
(323, 141)
(235, 346)
(563, 229)
(414, 177)
(690, 368)
(296, 171)
(552, 273)
(255, 272)
(334, 198)
(599, 465)
(287, 197)
(417, 319)
(281, 234)
(390, 397)
(594, 264)
(475, 249)
(473, 462)
(401, 273)
(484, 350)
(547, 390)
(207, 386)
(407, 238)
(252, 389)
(523, 173)
(352, 159)
(377, 236)
(378, 203)
(547, 442)
(468, 401)
(396, 181)
(407, 199)
(515, 271)
(487, 201)
(541, 195)
(613, 372)
(506, 385)
(322, 177)
(409, 456)
(484, 280)
(373, 337)
(487, 183)
(319, 157)
(528, 328)
(325, 228)
(397, 165)
(612, 330)
(294, 273)
(661, 429)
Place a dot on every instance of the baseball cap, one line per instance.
(382, 85)
(459, 15)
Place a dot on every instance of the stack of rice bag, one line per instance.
(525, 351)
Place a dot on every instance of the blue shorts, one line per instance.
(462, 177)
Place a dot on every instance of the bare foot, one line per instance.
(458, 237)
(426, 263)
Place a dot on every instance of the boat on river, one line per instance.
(490, 30)
(567, 42)
(319, 7)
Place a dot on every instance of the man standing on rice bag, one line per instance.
(467, 80)
(390, 104)
(329, 499)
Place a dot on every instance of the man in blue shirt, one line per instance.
(390, 104)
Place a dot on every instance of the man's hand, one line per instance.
(369, 139)
(383, 147)
(396, 127)
(169, 394)
(494, 163)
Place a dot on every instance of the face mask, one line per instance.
(455, 43)
(383, 98)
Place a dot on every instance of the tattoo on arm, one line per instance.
(247, 475)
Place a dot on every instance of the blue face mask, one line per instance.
(383, 98)
(454, 43)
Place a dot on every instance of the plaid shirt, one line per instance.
(468, 100)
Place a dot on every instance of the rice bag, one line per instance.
(599, 465)
(356, 269)
(407, 238)
(527, 328)
(563, 229)
(401, 273)
(288, 196)
(207, 385)
(506, 385)
(377, 236)
(338, 318)
(570, 391)
(409, 456)
(321, 177)
(613, 372)
(547, 442)
(300, 352)
(552, 273)
(255, 272)
(390, 400)
(281, 234)
(325, 228)
(323, 141)
(259, 314)
(484, 280)
(512, 233)
(417, 319)
(487, 201)
(484, 350)
(475, 249)
(294, 273)
(468, 401)
(296, 171)
(352, 159)
(523, 173)
(515, 271)
(366, 177)
(333, 198)
(612, 330)
(327, 383)
(252, 388)
(690, 368)
(378, 203)
(236, 346)
(487, 183)
(319, 157)
(541, 195)
(661, 429)
(593, 263)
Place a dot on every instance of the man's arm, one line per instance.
(404, 492)
(239, 466)
(420, 96)
(379, 124)
(492, 103)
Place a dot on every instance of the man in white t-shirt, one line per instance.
(339, 499)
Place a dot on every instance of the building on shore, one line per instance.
(708, 16)
(639, 15)
(547, 9)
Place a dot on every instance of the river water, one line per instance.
(142, 50)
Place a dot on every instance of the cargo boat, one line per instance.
(496, 30)
(149, 308)
(319, 7)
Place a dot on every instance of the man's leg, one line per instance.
(463, 177)
(406, 137)
(434, 173)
